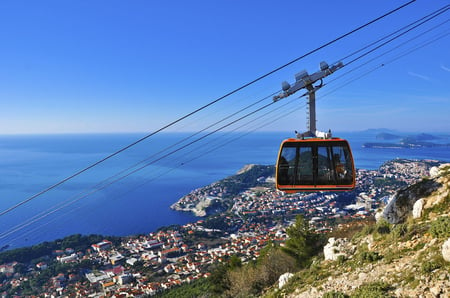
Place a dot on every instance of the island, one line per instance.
(413, 141)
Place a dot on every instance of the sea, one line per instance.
(52, 186)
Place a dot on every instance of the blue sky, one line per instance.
(134, 66)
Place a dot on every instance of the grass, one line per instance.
(372, 290)
(440, 228)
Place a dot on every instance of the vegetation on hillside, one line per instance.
(31, 254)
(390, 260)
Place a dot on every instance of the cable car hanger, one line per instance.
(314, 160)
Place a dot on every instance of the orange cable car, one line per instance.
(315, 164)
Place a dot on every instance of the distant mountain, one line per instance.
(422, 137)
(387, 136)
(378, 131)
(412, 141)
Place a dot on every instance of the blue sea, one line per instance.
(130, 193)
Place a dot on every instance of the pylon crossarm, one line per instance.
(304, 80)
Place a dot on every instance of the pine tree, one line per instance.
(303, 243)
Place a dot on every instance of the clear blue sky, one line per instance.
(125, 66)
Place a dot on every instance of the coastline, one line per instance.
(141, 204)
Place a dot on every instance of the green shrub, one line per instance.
(399, 230)
(383, 227)
(369, 256)
(366, 230)
(334, 294)
(372, 290)
(341, 259)
(440, 228)
(428, 267)
(250, 279)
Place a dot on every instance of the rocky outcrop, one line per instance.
(336, 248)
(441, 176)
(245, 169)
(401, 205)
(410, 201)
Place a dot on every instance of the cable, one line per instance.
(212, 148)
(401, 34)
(388, 51)
(103, 185)
(396, 31)
(199, 109)
(390, 61)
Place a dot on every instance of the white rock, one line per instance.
(283, 279)
(434, 171)
(436, 291)
(417, 208)
(379, 216)
(446, 250)
(336, 248)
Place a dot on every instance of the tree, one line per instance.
(219, 278)
(234, 262)
(302, 243)
(275, 263)
(252, 278)
(244, 281)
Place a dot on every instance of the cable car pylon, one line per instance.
(314, 160)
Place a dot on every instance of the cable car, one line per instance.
(315, 164)
(314, 161)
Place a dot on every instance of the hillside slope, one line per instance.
(406, 259)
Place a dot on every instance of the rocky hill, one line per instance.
(405, 254)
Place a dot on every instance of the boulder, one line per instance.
(434, 172)
(446, 250)
(283, 279)
(336, 248)
(417, 208)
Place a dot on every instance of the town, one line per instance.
(142, 265)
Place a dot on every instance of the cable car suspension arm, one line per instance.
(304, 80)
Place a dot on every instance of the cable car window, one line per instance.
(343, 164)
(325, 173)
(286, 165)
(305, 173)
